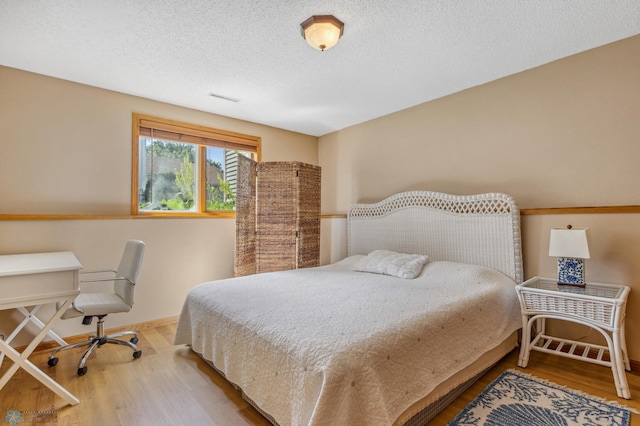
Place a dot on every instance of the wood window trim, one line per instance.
(188, 133)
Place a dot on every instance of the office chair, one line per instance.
(98, 305)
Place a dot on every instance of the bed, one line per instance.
(340, 344)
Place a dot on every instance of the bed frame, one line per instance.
(479, 229)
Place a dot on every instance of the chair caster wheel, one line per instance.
(137, 354)
(82, 371)
(134, 340)
(52, 362)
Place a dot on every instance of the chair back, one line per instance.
(129, 268)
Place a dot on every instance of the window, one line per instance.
(181, 168)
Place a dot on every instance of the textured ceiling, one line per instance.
(393, 55)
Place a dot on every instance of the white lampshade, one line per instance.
(569, 243)
(322, 32)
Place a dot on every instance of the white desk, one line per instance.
(33, 280)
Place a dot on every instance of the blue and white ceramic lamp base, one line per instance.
(570, 271)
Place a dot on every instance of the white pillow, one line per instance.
(392, 263)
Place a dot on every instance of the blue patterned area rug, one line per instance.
(515, 399)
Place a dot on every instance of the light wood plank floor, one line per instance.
(170, 385)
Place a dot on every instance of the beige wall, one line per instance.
(565, 134)
(65, 148)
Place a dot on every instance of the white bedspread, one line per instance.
(331, 346)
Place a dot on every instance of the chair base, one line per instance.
(96, 341)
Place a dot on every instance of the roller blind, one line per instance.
(166, 130)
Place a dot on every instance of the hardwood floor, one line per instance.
(170, 385)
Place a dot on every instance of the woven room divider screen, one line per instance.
(277, 216)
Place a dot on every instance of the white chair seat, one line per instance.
(89, 304)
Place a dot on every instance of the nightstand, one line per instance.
(599, 306)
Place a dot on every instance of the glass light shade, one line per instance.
(570, 243)
(322, 32)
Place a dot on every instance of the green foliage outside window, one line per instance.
(221, 196)
(185, 181)
(170, 149)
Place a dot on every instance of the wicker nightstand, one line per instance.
(599, 306)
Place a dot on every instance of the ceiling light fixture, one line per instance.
(322, 32)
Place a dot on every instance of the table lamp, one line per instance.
(570, 246)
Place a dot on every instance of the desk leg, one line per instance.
(20, 360)
(14, 334)
(31, 316)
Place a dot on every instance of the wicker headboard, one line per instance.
(479, 229)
